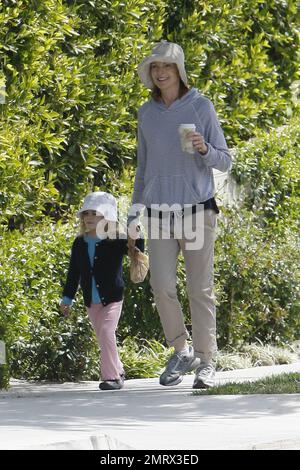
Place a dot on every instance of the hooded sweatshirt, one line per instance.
(167, 175)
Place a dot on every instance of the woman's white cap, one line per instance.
(164, 51)
(103, 203)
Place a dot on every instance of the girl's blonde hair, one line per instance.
(82, 229)
(110, 227)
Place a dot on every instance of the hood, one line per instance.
(187, 99)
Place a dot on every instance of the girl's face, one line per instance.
(165, 75)
(90, 220)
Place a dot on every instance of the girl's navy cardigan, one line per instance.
(107, 269)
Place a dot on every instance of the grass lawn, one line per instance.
(283, 383)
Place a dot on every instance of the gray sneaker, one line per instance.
(204, 376)
(177, 366)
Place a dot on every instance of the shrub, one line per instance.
(4, 376)
(143, 358)
(257, 284)
(69, 71)
(268, 168)
(41, 343)
(244, 55)
(68, 123)
(257, 251)
(257, 281)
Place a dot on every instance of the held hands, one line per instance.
(132, 249)
(198, 142)
(139, 262)
(134, 229)
(65, 309)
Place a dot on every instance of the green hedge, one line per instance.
(71, 88)
(69, 120)
(268, 169)
(68, 125)
(257, 273)
(257, 281)
(243, 54)
(43, 344)
(257, 288)
(257, 269)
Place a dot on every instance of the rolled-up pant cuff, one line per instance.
(179, 342)
(206, 357)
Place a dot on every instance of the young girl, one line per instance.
(96, 263)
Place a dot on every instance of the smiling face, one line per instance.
(165, 76)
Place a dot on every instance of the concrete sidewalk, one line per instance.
(145, 415)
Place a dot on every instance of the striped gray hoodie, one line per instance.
(166, 174)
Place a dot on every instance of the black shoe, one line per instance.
(115, 384)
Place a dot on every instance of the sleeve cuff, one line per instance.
(205, 155)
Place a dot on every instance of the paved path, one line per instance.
(145, 415)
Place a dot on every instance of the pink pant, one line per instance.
(105, 321)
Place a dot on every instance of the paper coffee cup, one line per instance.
(186, 144)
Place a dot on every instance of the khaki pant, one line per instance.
(199, 264)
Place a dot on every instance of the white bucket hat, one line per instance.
(164, 51)
(103, 203)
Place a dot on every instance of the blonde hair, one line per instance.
(82, 229)
(110, 227)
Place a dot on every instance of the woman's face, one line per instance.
(91, 219)
(164, 75)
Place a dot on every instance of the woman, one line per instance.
(168, 181)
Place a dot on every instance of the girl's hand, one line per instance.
(65, 309)
(198, 142)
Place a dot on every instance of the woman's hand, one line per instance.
(198, 142)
